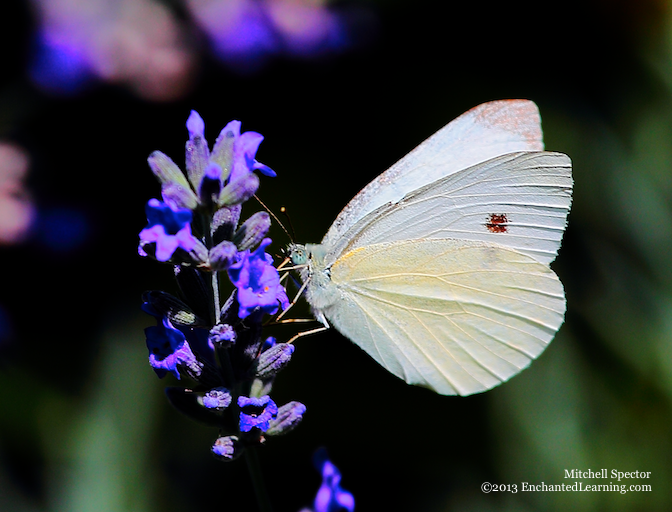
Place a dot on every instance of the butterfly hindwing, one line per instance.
(457, 317)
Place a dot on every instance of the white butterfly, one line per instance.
(439, 268)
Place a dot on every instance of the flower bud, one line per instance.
(253, 231)
(196, 149)
(223, 335)
(224, 223)
(239, 189)
(198, 255)
(289, 417)
(227, 448)
(173, 181)
(165, 169)
(195, 125)
(274, 360)
(223, 255)
(211, 185)
(222, 151)
(217, 398)
(261, 387)
(178, 197)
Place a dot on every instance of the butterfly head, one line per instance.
(307, 259)
(298, 254)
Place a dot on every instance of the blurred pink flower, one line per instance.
(306, 25)
(16, 208)
(138, 43)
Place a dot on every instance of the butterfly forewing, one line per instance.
(484, 132)
(457, 317)
(518, 200)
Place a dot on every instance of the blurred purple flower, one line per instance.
(256, 412)
(331, 497)
(58, 63)
(169, 228)
(308, 27)
(258, 282)
(244, 33)
(79, 42)
(238, 31)
(61, 229)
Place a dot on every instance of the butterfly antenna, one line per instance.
(283, 210)
(275, 217)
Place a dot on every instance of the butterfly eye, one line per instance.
(298, 255)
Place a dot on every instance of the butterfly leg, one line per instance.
(306, 333)
(294, 301)
(283, 263)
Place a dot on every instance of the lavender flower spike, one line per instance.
(213, 335)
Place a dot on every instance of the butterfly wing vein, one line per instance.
(454, 316)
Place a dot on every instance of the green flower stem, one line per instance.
(251, 456)
(215, 295)
(253, 466)
(206, 220)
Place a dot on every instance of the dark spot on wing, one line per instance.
(497, 223)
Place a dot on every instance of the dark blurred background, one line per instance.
(340, 90)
